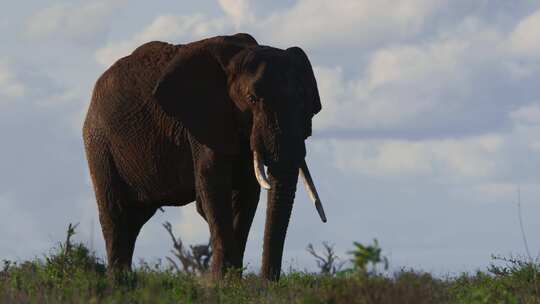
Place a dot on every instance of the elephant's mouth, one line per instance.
(260, 174)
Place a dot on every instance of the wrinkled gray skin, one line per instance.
(173, 124)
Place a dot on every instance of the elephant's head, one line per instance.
(229, 90)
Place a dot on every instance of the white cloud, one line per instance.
(237, 10)
(74, 20)
(416, 63)
(76, 98)
(169, 28)
(494, 190)
(525, 39)
(428, 83)
(191, 226)
(10, 86)
(73, 95)
(526, 129)
(528, 114)
(523, 46)
(482, 168)
(349, 22)
(444, 160)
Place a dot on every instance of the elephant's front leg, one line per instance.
(213, 176)
(245, 198)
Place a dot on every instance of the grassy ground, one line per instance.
(72, 274)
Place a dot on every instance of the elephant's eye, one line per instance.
(252, 99)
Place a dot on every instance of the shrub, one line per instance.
(328, 261)
(195, 260)
(69, 258)
(366, 258)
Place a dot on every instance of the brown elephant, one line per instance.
(172, 124)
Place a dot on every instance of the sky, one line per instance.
(430, 122)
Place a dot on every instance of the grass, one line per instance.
(70, 273)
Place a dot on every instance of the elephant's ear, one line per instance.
(193, 90)
(308, 85)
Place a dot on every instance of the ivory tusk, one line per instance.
(311, 190)
(258, 166)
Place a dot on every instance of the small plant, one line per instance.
(195, 260)
(531, 264)
(328, 261)
(512, 265)
(367, 257)
(69, 257)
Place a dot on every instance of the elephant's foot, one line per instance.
(226, 263)
(120, 251)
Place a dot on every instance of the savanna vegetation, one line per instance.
(71, 273)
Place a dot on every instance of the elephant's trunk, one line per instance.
(280, 202)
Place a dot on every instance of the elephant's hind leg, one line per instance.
(120, 216)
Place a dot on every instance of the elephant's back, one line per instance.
(126, 87)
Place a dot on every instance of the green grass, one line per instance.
(32, 282)
(70, 273)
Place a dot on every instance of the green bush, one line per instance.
(69, 259)
(366, 258)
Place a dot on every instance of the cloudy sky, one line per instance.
(430, 121)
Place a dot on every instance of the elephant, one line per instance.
(169, 125)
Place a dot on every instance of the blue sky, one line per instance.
(430, 121)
